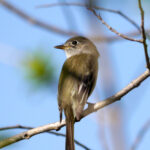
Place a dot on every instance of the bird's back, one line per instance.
(78, 75)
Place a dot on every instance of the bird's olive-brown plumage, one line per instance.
(77, 81)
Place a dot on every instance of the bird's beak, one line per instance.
(62, 47)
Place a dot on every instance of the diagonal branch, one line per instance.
(100, 18)
(112, 29)
(114, 38)
(91, 108)
(141, 135)
(28, 134)
(35, 21)
(144, 35)
(51, 28)
(132, 85)
(50, 132)
(95, 7)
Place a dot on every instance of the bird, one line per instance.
(77, 81)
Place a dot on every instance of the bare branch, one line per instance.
(91, 108)
(135, 83)
(115, 38)
(144, 35)
(141, 135)
(34, 21)
(48, 27)
(50, 132)
(32, 132)
(111, 29)
(95, 7)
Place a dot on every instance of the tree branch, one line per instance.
(28, 134)
(144, 35)
(135, 83)
(34, 21)
(95, 7)
(141, 135)
(112, 29)
(91, 108)
(50, 132)
(50, 28)
(115, 38)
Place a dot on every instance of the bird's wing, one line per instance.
(86, 86)
(78, 75)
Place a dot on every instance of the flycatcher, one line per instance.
(77, 81)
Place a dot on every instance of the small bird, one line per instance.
(77, 81)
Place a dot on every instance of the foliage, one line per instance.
(38, 68)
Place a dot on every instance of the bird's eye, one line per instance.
(74, 43)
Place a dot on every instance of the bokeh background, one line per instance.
(30, 68)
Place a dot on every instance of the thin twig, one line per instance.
(50, 132)
(115, 38)
(141, 135)
(111, 29)
(35, 21)
(144, 35)
(48, 27)
(91, 108)
(95, 7)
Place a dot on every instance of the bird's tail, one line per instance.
(70, 132)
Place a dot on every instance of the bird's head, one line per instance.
(78, 45)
